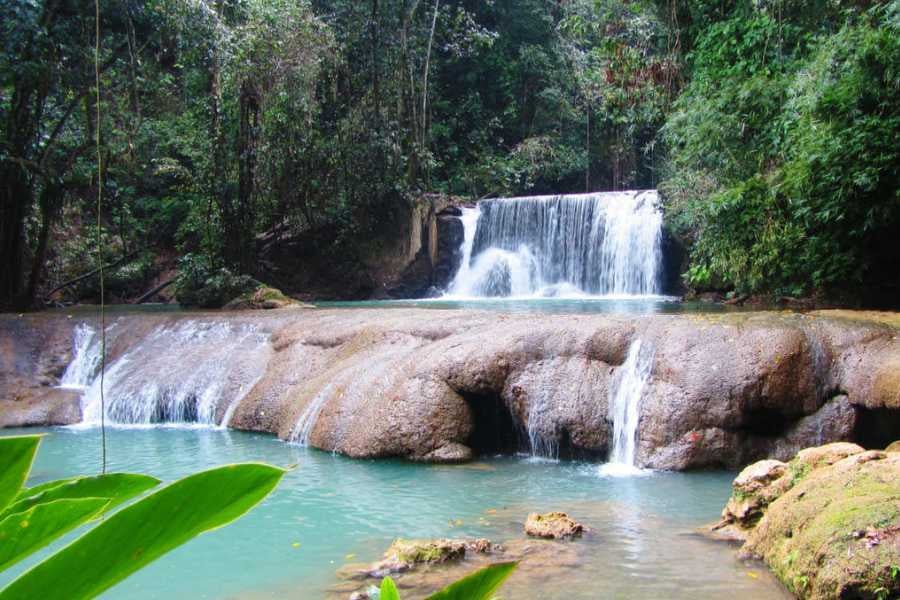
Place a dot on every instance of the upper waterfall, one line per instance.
(601, 244)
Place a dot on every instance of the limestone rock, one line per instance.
(754, 488)
(723, 390)
(449, 454)
(834, 530)
(50, 406)
(404, 555)
(893, 447)
(553, 525)
(265, 298)
(827, 455)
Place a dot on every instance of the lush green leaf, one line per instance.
(115, 487)
(388, 590)
(480, 585)
(25, 532)
(142, 532)
(16, 456)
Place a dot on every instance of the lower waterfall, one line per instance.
(191, 372)
(625, 406)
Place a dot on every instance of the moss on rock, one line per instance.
(407, 554)
(552, 525)
(834, 530)
(264, 297)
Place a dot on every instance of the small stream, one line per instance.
(331, 513)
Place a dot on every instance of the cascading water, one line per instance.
(602, 244)
(189, 372)
(625, 405)
(85, 359)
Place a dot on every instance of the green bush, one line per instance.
(784, 171)
(204, 285)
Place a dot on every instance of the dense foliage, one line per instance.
(784, 159)
(229, 126)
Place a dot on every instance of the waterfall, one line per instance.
(625, 405)
(85, 359)
(193, 371)
(602, 244)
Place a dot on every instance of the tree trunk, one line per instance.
(15, 204)
(51, 203)
(248, 133)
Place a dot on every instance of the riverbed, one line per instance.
(332, 513)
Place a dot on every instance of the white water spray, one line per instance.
(192, 372)
(625, 405)
(601, 244)
(85, 359)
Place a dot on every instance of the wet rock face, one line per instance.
(553, 525)
(34, 352)
(827, 523)
(445, 386)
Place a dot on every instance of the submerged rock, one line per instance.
(827, 524)
(404, 555)
(450, 454)
(552, 525)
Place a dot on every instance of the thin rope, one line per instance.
(100, 238)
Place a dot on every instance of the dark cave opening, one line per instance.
(876, 428)
(766, 422)
(494, 431)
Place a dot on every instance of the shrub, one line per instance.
(204, 285)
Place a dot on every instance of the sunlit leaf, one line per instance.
(116, 487)
(388, 590)
(25, 532)
(16, 456)
(139, 534)
(480, 585)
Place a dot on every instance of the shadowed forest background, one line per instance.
(232, 130)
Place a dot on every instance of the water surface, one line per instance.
(330, 512)
(639, 305)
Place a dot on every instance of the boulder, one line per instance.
(553, 525)
(753, 489)
(404, 555)
(449, 454)
(831, 527)
(893, 447)
(825, 456)
(264, 298)
(48, 406)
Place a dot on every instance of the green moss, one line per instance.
(814, 536)
(798, 471)
(425, 551)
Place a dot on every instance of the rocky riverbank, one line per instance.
(444, 385)
(827, 523)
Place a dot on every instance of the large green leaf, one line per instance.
(16, 456)
(116, 487)
(480, 585)
(139, 534)
(26, 532)
(388, 590)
